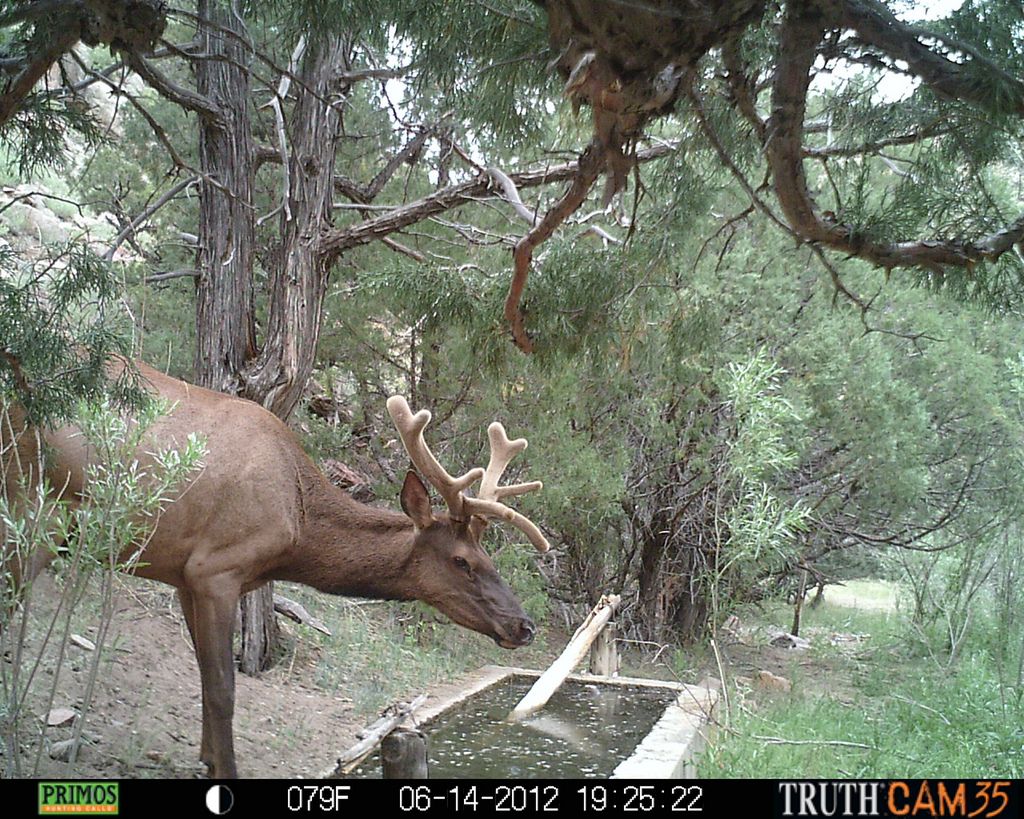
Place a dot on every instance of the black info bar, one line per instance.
(910, 798)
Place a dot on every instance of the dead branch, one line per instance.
(508, 187)
(297, 612)
(336, 241)
(132, 226)
(171, 274)
(282, 136)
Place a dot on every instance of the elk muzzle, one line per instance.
(522, 635)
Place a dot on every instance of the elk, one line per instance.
(260, 510)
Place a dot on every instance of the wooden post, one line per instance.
(799, 603)
(403, 754)
(604, 655)
(570, 657)
(372, 736)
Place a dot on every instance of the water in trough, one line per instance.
(584, 731)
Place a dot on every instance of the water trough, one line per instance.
(594, 726)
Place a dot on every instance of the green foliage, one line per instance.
(486, 58)
(59, 326)
(126, 494)
(761, 527)
(107, 531)
(661, 438)
(38, 136)
(879, 711)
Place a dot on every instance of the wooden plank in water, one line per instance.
(573, 654)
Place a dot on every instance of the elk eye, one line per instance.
(463, 564)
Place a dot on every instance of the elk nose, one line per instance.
(527, 630)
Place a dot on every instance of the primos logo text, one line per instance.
(71, 798)
(915, 799)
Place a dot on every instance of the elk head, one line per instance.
(452, 571)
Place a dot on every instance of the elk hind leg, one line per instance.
(187, 601)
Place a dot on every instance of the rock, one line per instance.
(83, 642)
(61, 716)
(61, 751)
(772, 682)
(36, 223)
(789, 641)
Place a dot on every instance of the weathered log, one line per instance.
(573, 654)
(297, 612)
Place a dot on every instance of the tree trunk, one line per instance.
(225, 325)
(227, 357)
(299, 279)
(259, 630)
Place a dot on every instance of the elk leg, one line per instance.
(188, 603)
(188, 609)
(213, 607)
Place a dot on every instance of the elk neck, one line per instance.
(346, 547)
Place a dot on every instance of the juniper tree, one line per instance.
(781, 99)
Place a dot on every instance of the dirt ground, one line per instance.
(146, 717)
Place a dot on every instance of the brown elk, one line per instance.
(260, 510)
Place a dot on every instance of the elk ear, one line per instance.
(416, 501)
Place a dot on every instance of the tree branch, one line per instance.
(33, 71)
(741, 86)
(934, 128)
(589, 168)
(146, 214)
(352, 77)
(365, 194)
(875, 24)
(336, 241)
(155, 126)
(172, 274)
(178, 94)
(801, 33)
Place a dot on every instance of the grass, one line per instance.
(880, 708)
(878, 595)
(379, 653)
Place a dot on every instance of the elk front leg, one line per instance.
(213, 623)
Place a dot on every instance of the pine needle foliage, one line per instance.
(60, 322)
